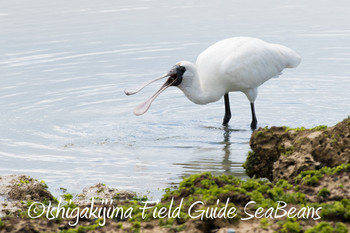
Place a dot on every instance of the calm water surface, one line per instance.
(64, 66)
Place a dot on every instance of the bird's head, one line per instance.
(175, 77)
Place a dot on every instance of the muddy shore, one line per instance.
(301, 184)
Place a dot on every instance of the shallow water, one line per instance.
(64, 66)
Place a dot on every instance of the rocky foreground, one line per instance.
(306, 188)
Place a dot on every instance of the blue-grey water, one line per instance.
(64, 65)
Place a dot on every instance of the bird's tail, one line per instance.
(290, 56)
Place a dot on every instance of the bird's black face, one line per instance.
(176, 75)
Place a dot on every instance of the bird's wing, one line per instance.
(256, 62)
(242, 63)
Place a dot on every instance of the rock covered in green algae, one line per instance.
(208, 189)
(14, 189)
(20, 187)
(330, 192)
(282, 153)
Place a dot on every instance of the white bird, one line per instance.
(234, 64)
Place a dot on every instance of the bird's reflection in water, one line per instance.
(216, 159)
(230, 167)
(226, 162)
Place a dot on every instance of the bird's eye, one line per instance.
(181, 69)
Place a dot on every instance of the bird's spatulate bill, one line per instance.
(132, 91)
(142, 108)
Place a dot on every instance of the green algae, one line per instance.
(337, 210)
(317, 128)
(44, 184)
(250, 157)
(285, 151)
(312, 177)
(67, 196)
(2, 224)
(320, 127)
(81, 229)
(325, 227)
(324, 192)
(264, 223)
(295, 129)
(291, 226)
(260, 134)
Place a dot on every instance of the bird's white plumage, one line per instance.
(235, 64)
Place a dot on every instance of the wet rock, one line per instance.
(20, 187)
(282, 153)
(101, 191)
(15, 189)
(292, 165)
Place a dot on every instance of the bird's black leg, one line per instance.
(227, 116)
(254, 120)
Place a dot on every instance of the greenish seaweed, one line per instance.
(338, 210)
(251, 155)
(325, 227)
(67, 196)
(324, 192)
(320, 127)
(81, 229)
(2, 224)
(317, 128)
(264, 223)
(295, 129)
(291, 226)
(260, 133)
(312, 177)
(44, 184)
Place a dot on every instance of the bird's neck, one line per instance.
(196, 89)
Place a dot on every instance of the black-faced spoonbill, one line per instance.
(235, 64)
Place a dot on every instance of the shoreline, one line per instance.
(204, 202)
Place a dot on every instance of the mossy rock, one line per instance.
(282, 152)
